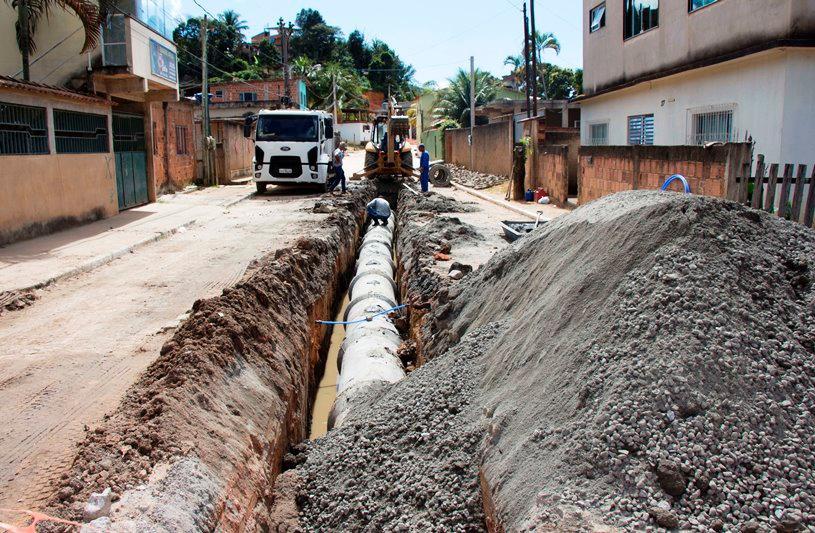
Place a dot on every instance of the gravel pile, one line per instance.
(475, 180)
(410, 462)
(658, 367)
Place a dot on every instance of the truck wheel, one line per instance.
(371, 159)
(260, 186)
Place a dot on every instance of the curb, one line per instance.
(238, 200)
(501, 203)
(105, 259)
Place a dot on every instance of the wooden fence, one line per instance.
(790, 194)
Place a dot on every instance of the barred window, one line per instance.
(181, 140)
(128, 133)
(23, 130)
(598, 134)
(641, 129)
(716, 126)
(80, 133)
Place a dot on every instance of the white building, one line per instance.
(673, 72)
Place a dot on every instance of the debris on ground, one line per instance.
(16, 300)
(474, 179)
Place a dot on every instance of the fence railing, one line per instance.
(789, 194)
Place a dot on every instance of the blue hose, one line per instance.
(361, 320)
(672, 179)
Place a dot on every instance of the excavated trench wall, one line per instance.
(198, 441)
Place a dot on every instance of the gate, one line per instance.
(131, 160)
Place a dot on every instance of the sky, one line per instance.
(435, 36)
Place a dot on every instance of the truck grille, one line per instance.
(285, 166)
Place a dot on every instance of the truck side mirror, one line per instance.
(247, 127)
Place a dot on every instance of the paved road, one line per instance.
(67, 360)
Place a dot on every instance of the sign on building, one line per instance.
(163, 62)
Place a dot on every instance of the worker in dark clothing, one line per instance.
(339, 172)
(379, 210)
(424, 166)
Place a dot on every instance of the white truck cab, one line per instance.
(292, 147)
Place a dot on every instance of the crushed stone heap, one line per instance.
(657, 365)
(648, 359)
(474, 179)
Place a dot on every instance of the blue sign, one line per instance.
(163, 62)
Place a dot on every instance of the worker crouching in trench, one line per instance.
(379, 210)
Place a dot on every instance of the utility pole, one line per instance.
(25, 38)
(526, 64)
(534, 46)
(283, 33)
(205, 134)
(334, 93)
(472, 110)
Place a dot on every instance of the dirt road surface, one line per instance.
(67, 360)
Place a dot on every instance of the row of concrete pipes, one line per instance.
(368, 354)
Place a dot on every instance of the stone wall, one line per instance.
(710, 171)
(492, 148)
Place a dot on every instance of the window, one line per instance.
(22, 130)
(290, 128)
(716, 126)
(181, 140)
(640, 16)
(597, 18)
(693, 5)
(641, 129)
(329, 128)
(248, 97)
(598, 134)
(219, 93)
(80, 133)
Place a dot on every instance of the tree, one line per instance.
(546, 41)
(90, 13)
(315, 39)
(320, 81)
(518, 71)
(453, 102)
(359, 51)
(224, 46)
(387, 73)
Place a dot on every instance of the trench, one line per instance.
(328, 371)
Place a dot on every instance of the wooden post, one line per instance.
(769, 200)
(798, 193)
(516, 187)
(758, 190)
(809, 209)
(785, 190)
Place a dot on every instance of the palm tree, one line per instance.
(90, 12)
(453, 102)
(234, 27)
(518, 71)
(544, 41)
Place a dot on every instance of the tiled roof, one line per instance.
(7, 82)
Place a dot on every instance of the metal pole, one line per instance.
(534, 46)
(334, 93)
(472, 110)
(205, 103)
(25, 38)
(526, 64)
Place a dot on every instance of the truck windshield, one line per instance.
(288, 128)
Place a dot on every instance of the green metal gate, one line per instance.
(131, 160)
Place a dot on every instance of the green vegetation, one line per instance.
(453, 103)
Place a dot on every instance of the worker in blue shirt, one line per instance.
(424, 166)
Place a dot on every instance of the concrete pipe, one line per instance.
(368, 355)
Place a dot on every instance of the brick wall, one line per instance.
(709, 171)
(492, 148)
(266, 90)
(173, 150)
(550, 172)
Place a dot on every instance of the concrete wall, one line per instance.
(60, 32)
(682, 38)
(172, 170)
(769, 93)
(354, 132)
(492, 148)
(44, 193)
(710, 171)
(434, 143)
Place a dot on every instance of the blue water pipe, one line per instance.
(361, 320)
(672, 179)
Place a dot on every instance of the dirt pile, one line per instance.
(656, 364)
(474, 179)
(198, 440)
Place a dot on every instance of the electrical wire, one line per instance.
(361, 320)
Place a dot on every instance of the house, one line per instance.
(118, 101)
(237, 99)
(690, 72)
